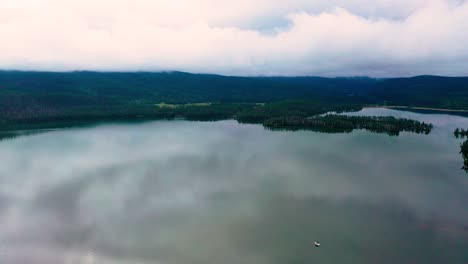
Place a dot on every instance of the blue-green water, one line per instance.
(175, 192)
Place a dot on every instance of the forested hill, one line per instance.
(429, 91)
(27, 95)
(170, 87)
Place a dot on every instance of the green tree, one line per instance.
(464, 153)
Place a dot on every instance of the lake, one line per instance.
(175, 192)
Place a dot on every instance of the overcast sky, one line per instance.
(243, 37)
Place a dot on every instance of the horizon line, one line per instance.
(224, 75)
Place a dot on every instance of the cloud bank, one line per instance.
(264, 37)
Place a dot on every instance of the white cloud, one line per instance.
(244, 37)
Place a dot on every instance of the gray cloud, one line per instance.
(266, 37)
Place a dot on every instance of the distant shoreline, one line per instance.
(289, 114)
(418, 108)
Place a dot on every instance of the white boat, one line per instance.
(317, 244)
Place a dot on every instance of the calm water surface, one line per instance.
(178, 192)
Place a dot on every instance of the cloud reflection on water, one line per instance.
(194, 192)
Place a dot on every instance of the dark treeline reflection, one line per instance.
(346, 124)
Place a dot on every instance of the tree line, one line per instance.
(460, 133)
(464, 153)
(463, 133)
(292, 115)
(76, 95)
(333, 123)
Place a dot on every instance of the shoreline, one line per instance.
(36, 125)
(418, 108)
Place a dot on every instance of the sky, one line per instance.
(378, 38)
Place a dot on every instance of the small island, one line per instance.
(333, 123)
